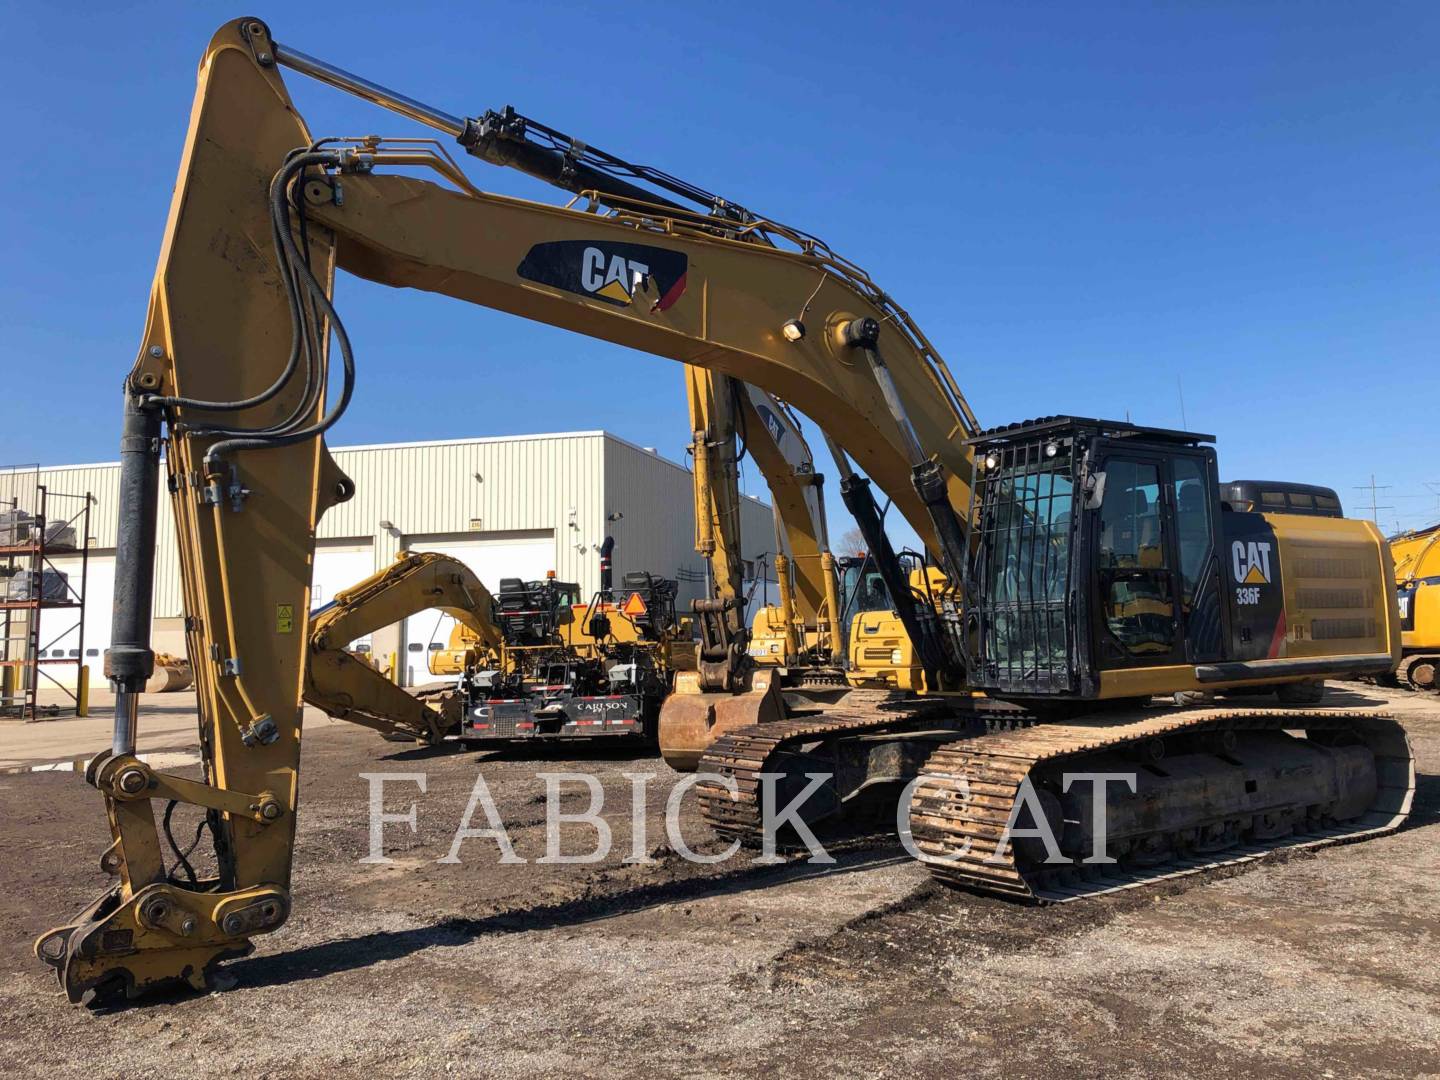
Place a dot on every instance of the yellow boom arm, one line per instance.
(232, 375)
(351, 690)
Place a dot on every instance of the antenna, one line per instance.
(1180, 387)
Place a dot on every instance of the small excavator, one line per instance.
(1088, 566)
(347, 687)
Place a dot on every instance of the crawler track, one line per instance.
(958, 834)
(971, 783)
(742, 755)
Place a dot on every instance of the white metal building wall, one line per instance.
(566, 483)
(657, 531)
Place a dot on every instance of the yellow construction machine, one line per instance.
(881, 654)
(350, 688)
(530, 662)
(1417, 583)
(741, 668)
(1088, 564)
(570, 670)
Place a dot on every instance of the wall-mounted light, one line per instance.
(388, 525)
(614, 515)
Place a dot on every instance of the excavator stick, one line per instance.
(350, 689)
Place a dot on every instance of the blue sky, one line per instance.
(1081, 203)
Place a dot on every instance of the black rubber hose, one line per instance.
(302, 317)
(316, 291)
(285, 276)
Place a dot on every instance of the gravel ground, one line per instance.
(1320, 964)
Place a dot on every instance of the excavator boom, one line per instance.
(350, 689)
(232, 373)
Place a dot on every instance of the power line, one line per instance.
(1375, 505)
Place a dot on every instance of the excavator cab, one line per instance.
(882, 656)
(1095, 553)
(1106, 566)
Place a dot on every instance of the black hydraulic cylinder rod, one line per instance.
(488, 138)
(920, 623)
(129, 661)
(555, 167)
(926, 475)
(928, 479)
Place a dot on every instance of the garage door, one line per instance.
(525, 555)
(60, 627)
(339, 564)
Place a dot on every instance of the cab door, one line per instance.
(1137, 617)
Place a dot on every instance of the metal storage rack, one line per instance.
(22, 648)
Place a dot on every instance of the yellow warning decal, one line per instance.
(634, 605)
(284, 618)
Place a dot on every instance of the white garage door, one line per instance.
(60, 627)
(339, 564)
(525, 555)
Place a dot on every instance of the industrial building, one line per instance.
(510, 506)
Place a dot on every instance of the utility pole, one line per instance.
(1375, 505)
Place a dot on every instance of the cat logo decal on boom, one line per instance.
(772, 424)
(615, 272)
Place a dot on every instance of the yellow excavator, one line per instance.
(1417, 584)
(802, 635)
(347, 687)
(741, 669)
(881, 654)
(1087, 564)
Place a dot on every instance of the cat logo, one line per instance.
(1250, 560)
(618, 273)
(772, 424)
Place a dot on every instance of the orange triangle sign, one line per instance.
(634, 605)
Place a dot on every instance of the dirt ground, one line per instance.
(1322, 964)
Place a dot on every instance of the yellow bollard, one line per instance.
(82, 691)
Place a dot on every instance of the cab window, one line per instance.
(1134, 575)
(1192, 525)
(872, 595)
(1130, 516)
